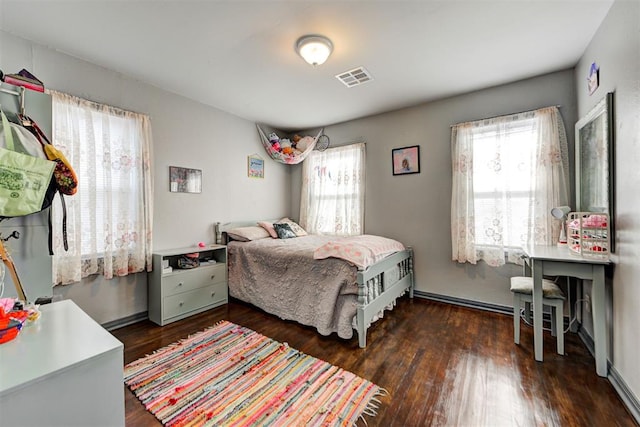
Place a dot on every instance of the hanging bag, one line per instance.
(65, 177)
(26, 186)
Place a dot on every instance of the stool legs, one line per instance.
(558, 314)
(557, 319)
(516, 318)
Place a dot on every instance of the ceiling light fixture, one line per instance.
(314, 49)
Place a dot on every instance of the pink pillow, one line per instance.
(269, 227)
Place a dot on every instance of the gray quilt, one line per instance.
(281, 277)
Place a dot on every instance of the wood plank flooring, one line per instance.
(443, 365)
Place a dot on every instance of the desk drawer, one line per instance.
(185, 302)
(188, 280)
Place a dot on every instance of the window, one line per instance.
(332, 200)
(508, 173)
(109, 218)
(502, 182)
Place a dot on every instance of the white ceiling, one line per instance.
(239, 55)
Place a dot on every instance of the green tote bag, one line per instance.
(25, 173)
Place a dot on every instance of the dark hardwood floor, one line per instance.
(442, 365)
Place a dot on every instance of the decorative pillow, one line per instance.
(284, 231)
(299, 231)
(246, 234)
(269, 227)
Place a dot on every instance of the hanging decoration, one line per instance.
(288, 151)
(323, 142)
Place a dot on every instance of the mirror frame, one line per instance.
(594, 157)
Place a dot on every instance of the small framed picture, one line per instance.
(255, 166)
(406, 160)
(185, 180)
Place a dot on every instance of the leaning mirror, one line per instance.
(594, 161)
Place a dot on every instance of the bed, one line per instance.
(284, 277)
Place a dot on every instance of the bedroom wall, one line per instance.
(415, 209)
(616, 50)
(185, 133)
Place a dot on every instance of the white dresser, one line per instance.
(63, 370)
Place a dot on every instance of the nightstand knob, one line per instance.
(212, 294)
(213, 276)
(180, 284)
(181, 304)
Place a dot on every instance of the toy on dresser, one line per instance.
(588, 234)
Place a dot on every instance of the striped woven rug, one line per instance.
(228, 375)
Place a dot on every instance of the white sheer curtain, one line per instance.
(508, 173)
(332, 196)
(109, 219)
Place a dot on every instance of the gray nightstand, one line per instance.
(180, 293)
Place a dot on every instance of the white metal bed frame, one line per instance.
(379, 285)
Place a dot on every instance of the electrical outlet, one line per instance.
(587, 303)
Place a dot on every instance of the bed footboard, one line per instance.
(379, 286)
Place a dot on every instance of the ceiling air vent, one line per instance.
(354, 77)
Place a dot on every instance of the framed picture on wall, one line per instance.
(185, 180)
(255, 166)
(406, 160)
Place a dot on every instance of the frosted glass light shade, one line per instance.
(560, 212)
(314, 49)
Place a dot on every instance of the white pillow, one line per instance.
(247, 234)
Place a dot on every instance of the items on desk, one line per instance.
(589, 234)
(13, 317)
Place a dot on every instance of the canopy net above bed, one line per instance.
(290, 151)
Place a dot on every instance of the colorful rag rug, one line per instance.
(230, 375)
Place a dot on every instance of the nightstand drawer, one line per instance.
(185, 302)
(188, 280)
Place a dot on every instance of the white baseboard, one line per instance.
(625, 393)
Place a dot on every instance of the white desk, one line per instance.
(558, 261)
(63, 370)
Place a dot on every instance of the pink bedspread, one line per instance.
(362, 251)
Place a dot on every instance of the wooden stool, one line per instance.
(552, 296)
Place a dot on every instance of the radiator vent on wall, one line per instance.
(355, 77)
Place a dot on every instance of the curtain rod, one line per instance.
(504, 115)
(19, 94)
(9, 91)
